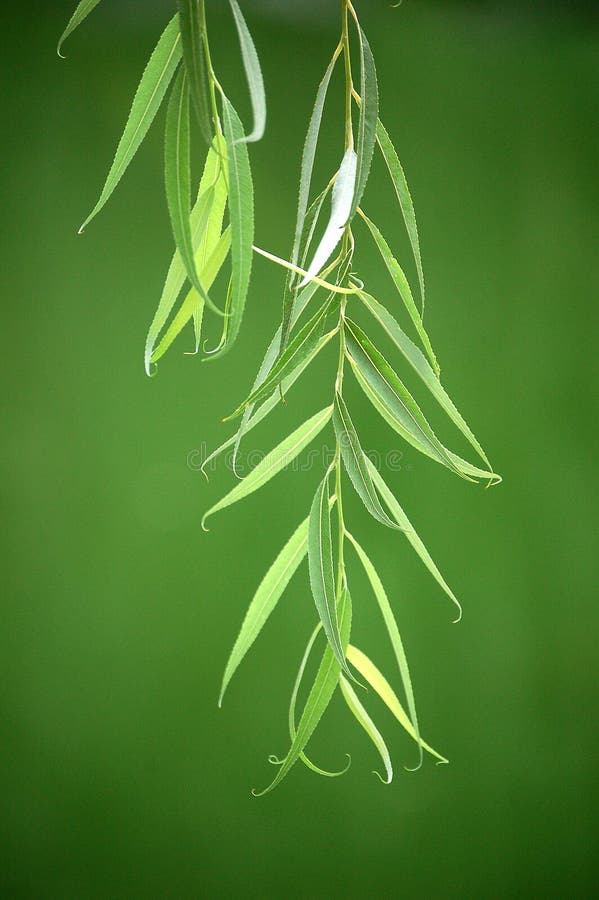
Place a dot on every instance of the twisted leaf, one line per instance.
(82, 11)
(253, 74)
(350, 697)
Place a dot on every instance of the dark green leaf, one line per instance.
(194, 55)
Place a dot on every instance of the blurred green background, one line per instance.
(120, 778)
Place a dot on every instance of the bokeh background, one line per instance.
(119, 777)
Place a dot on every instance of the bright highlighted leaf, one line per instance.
(356, 707)
(146, 103)
(275, 461)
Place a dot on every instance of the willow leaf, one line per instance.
(307, 167)
(394, 635)
(416, 359)
(381, 686)
(404, 197)
(356, 707)
(401, 518)
(81, 12)
(403, 288)
(354, 460)
(241, 208)
(320, 563)
(146, 103)
(177, 180)
(253, 73)
(266, 598)
(193, 305)
(194, 55)
(369, 110)
(274, 461)
(343, 192)
(319, 697)
(303, 347)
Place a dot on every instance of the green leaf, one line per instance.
(146, 103)
(193, 305)
(402, 191)
(354, 460)
(177, 180)
(367, 124)
(253, 74)
(194, 55)
(350, 697)
(393, 632)
(319, 697)
(343, 192)
(410, 533)
(403, 288)
(381, 686)
(241, 207)
(81, 12)
(207, 207)
(320, 562)
(420, 365)
(274, 461)
(396, 405)
(266, 598)
(307, 167)
(303, 348)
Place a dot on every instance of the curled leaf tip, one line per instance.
(381, 779)
(203, 523)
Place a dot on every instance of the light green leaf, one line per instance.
(420, 365)
(403, 288)
(253, 74)
(177, 180)
(211, 196)
(193, 305)
(266, 598)
(410, 533)
(146, 103)
(393, 632)
(81, 12)
(302, 348)
(319, 697)
(354, 460)
(241, 207)
(274, 461)
(381, 686)
(369, 110)
(350, 697)
(307, 167)
(343, 192)
(194, 55)
(320, 563)
(403, 195)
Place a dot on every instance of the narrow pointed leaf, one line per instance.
(307, 167)
(416, 359)
(146, 103)
(253, 74)
(193, 305)
(194, 55)
(354, 460)
(327, 679)
(394, 635)
(404, 197)
(369, 110)
(320, 562)
(266, 598)
(177, 180)
(356, 707)
(403, 288)
(381, 686)
(241, 207)
(274, 461)
(401, 518)
(343, 192)
(302, 347)
(81, 12)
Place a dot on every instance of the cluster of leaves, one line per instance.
(327, 287)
